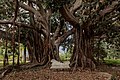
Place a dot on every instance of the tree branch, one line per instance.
(76, 5)
(64, 36)
(16, 24)
(16, 10)
(109, 8)
(56, 33)
(28, 8)
(68, 15)
(39, 17)
(43, 31)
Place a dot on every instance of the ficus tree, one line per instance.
(41, 26)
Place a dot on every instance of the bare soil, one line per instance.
(47, 74)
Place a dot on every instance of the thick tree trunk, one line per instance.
(82, 53)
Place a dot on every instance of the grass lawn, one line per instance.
(112, 61)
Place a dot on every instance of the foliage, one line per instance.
(65, 56)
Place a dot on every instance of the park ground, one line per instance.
(38, 73)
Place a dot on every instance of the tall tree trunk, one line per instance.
(13, 47)
(36, 45)
(47, 48)
(24, 53)
(18, 60)
(5, 56)
(31, 52)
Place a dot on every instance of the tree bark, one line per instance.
(18, 59)
(6, 56)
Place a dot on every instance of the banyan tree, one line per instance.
(40, 26)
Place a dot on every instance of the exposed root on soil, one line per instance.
(6, 70)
